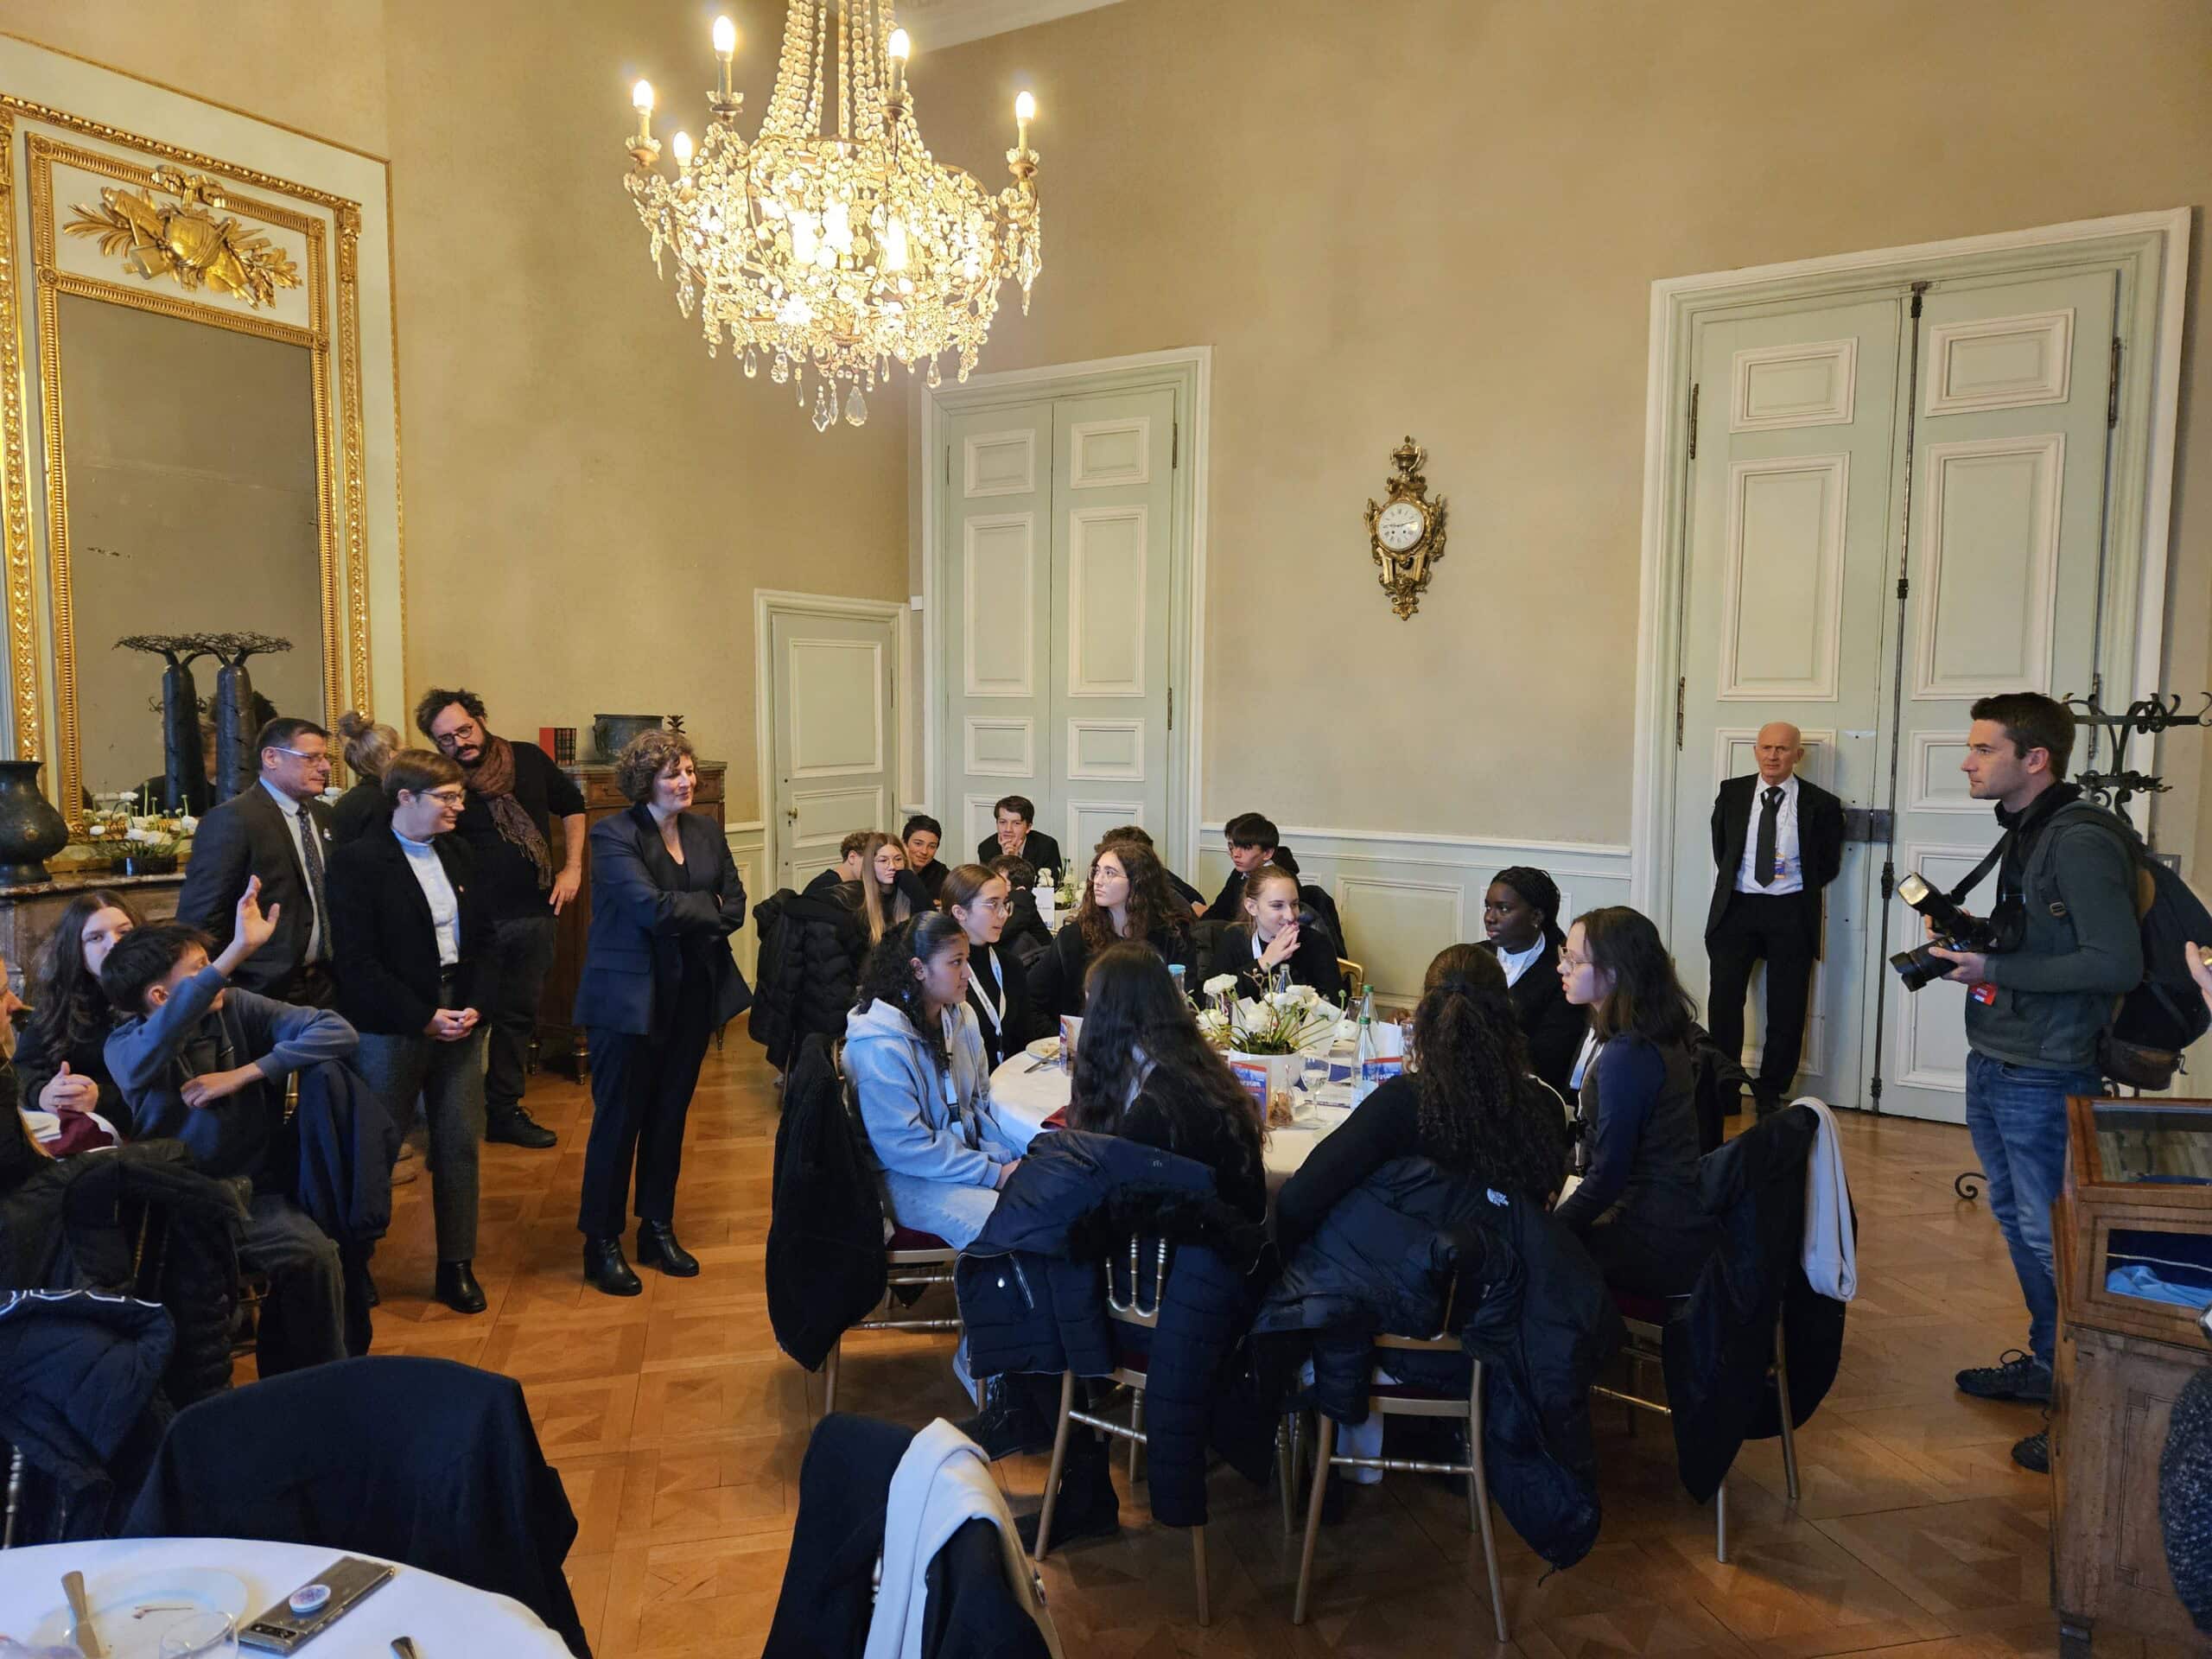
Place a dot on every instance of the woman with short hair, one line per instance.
(1638, 1209)
(1521, 922)
(659, 981)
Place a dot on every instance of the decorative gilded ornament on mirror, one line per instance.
(186, 240)
(1405, 531)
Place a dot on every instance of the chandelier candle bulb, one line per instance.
(1025, 112)
(681, 145)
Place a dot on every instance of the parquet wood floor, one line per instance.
(678, 1428)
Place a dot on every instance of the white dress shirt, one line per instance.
(437, 888)
(298, 823)
(1789, 864)
(1517, 963)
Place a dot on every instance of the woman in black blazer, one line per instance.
(1126, 897)
(1274, 934)
(998, 986)
(412, 951)
(1521, 916)
(657, 982)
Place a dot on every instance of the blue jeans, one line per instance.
(2016, 1115)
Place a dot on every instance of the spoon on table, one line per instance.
(80, 1612)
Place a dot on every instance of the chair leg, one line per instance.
(1136, 1422)
(1198, 1566)
(1720, 1522)
(1478, 1495)
(1287, 1468)
(1324, 1447)
(830, 1376)
(1782, 1402)
(1060, 1462)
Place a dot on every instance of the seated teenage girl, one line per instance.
(1639, 1208)
(60, 1058)
(1274, 934)
(1126, 897)
(917, 1060)
(1520, 916)
(998, 986)
(1472, 1107)
(884, 894)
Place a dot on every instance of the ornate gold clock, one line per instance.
(1405, 531)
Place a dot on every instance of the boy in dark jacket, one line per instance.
(202, 1062)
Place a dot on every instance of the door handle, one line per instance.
(791, 813)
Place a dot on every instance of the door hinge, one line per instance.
(1682, 691)
(1889, 878)
(2112, 388)
(1174, 445)
(1904, 586)
(1170, 707)
(1694, 391)
(1874, 1091)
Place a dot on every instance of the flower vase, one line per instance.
(1268, 1078)
(31, 831)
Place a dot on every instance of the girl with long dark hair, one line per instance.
(60, 1059)
(1142, 1072)
(1639, 1208)
(1126, 897)
(1521, 920)
(916, 1057)
(1275, 934)
(1471, 1104)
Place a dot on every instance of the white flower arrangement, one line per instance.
(1219, 984)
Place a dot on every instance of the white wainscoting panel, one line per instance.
(1000, 746)
(1106, 751)
(997, 576)
(747, 847)
(1999, 362)
(1000, 463)
(837, 698)
(1781, 386)
(1088, 822)
(1109, 452)
(1933, 781)
(1107, 552)
(1931, 1024)
(1992, 539)
(1403, 897)
(1781, 586)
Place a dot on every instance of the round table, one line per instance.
(443, 1617)
(1024, 1097)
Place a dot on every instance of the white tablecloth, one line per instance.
(1023, 1099)
(444, 1617)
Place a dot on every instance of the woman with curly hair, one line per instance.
(60, 1058)
(1471, 1106)
(915, 1055)
(1521, 919)
(659, 981)
(1142, 1072)
(1126, 897)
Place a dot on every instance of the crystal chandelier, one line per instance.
(835, 251)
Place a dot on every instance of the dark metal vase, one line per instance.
(236, 762)
(181, 760)
(31, 831)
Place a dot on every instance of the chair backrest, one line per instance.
(1125, 1298)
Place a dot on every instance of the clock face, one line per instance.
(1400, 526)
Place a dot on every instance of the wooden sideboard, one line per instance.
(559, 1036)
(28, 912)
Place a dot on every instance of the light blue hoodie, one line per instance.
(919, 1122)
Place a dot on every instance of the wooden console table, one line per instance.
(559, 1035)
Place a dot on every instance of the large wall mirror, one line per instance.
(199, 456)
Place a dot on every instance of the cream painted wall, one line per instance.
(1444, 218)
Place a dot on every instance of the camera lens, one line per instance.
(1919, 967)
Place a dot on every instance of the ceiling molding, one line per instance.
(948, 22)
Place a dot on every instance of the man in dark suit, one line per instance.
(1777, 840)
(278, 830)
(1014, 816)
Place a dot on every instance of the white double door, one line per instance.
(1869, 602)
(1059, 572)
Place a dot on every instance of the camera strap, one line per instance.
(1958, 894)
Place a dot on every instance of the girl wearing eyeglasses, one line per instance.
(998, 988)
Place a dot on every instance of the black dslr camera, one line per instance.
(1955, 930)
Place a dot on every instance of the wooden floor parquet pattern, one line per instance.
(678, 1428)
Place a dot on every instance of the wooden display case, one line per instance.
(2138, 1198)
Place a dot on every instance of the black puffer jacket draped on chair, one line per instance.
(1032, 1288)
(1524, 1298)
(824, 1266)
(1716, 1355)
(812, 948)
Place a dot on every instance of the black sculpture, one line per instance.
(2146, 717)
(183, 767)
(236, 762)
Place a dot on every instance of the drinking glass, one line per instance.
(202, 1635)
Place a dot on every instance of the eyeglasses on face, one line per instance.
(312, 759)
(455, 797)
(466, 732)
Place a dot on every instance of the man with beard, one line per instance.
(514, 792)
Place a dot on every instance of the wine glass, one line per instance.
(202, 1635)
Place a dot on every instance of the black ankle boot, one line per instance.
(604, 1269)
(1008, 1421)
(1087, 1507)
(656, 1247)
(457, 1288)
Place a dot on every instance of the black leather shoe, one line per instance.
(458, 1289)
(656, 1247)
(516, 1128)
(1008, 1423)
(604, 1269)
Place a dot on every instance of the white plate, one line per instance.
(117, 1598)
(1045, 1048)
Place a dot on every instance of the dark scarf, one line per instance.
(2020, 829)
(493, 779)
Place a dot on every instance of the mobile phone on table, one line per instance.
(304, 1615)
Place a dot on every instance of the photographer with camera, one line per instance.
(2042, 973)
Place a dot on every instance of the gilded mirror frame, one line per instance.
(331, 336)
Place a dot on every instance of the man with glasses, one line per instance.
(514, 793)
(279, 831)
